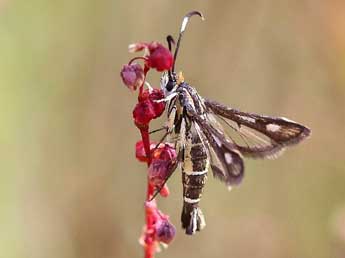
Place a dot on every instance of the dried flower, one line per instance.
(159, 171)
(165, 231)
(132, 76)
(163, 161)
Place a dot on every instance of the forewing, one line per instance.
(264, 136)
(248, 141)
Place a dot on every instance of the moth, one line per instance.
(208, 134)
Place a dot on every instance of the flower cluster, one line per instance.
(162, 232)
(160, 158)
(157, 56)
(148, 107)
(163, 160)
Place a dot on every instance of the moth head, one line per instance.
(169, 83)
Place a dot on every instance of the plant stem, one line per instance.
(149, 238)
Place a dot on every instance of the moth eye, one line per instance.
(170, 85)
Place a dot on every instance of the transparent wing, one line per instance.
(226, 161)
(248, 141)
(255, 136)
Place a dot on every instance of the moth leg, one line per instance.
(166, 99)
(169, 126)
(158, 130)
(160, 141)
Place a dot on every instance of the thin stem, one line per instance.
(146, 142)
(150, 247)
(137, 58)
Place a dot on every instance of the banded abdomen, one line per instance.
(194, 175)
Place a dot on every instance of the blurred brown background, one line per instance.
(69, 184)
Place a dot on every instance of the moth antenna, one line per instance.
(183, 28)
(170, 41)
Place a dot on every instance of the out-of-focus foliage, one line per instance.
(69, 183)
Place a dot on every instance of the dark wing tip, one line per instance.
(304, 134)
(232, 174)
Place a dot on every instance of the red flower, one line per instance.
(132, 76)
(157, 56)
(154, 95)
(140, 150)
(148, 108)
(164, 191)
(160, 57)
(143, 113)
(165, 152)
(163, 161)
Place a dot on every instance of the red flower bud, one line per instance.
(160, 57)
(143, 113)
(164, 191)
(132, 76)
(165, 231)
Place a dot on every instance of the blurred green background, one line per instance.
(69, 183)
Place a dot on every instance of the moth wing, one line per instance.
(261, 136)
(226, 161)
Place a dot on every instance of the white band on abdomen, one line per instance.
(189, 200)
(196, 173)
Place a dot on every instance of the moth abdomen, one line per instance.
(194, 176)
(192, 217)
